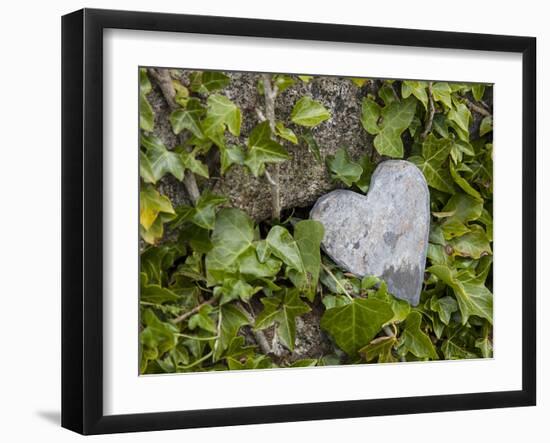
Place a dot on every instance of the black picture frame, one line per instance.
(82, 218)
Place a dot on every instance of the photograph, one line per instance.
(300, 220)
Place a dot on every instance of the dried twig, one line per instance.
(196, 309)
(164, 81)
(475, 108)
(270, 92)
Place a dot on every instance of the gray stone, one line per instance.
(302, 179)
(384, 233)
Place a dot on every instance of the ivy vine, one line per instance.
(217, 289)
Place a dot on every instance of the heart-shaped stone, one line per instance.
(384, 233)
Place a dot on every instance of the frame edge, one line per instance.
(72, 83)
(81, 252)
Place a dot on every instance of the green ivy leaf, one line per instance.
(283, 82)
(283, 309)
(234, 289)
(368, 168)
(203, 320)
(463, 183)
(283, 246)
(233, 234)
(145, 168)
(308, 235)
(151, 203)
(205, 210)
(286, 133)
(308, 112)
(145, 86)
(487, 219)
(472, 296)
(370, 114)
(343, 169)
(155, 262)
(485, 346)
(262, 149)
(415, 125)
(193, 164)
(380, 350)
(486, 126)
(221, 113)
(440, 126)
(396, 117)
(156, 230)
(231, 155)
(231, 319)
(157, 294)
(444, 306)
(188, 119)
(416, 88)
(437, 255)
(312, 145)
(453, 350)
(156, 338)
(478, 91)
(461, 116)
(197, 237)
(209, 81)
(304, 363)
(237, 349)
(458, 149)
(355, 324)
(335, 301)
(400, 308)
(359, 82)
(146, 114)
(256, 362)
(453, 228)
(182, 93)
(161, 160)
(473, 244)
(414, 340)
(441, 92)
(250, 266)
(464, 208)
(369, 282)
(434, 153)
(387, 93)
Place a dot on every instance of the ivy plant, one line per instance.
(221, 291)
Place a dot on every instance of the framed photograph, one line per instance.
(269, 221)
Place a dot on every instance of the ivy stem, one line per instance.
(194, 337)
(329, 272)
(196, 362)
(259, 336)
(270, 93)
(388, 331)
(196, 309)
(476, 108)
(164, 81)
(430, 118)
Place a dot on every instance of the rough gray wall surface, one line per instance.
(302, 178)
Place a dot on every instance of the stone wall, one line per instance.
(302, 178)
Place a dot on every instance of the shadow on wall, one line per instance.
(54, 417)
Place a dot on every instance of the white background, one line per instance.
(30, 222)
